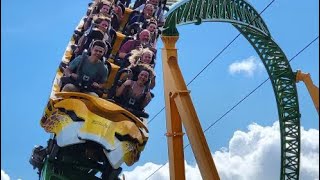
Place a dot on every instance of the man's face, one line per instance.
(148, 10)
(105, 9)
(144, 36)
(97, 52)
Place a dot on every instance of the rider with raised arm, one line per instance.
(135, 95)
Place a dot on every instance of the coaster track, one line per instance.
(249, 23)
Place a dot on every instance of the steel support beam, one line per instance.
(180, 106)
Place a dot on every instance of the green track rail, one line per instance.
(249, 23)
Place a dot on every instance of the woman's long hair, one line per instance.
(136, 56)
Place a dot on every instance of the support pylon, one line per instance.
(174, 125)
(179, 107)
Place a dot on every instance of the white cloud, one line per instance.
(247, 66)
(142, 172)
(251, 155)
(4, 176)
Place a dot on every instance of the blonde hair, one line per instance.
(137, 55)
(107, 2)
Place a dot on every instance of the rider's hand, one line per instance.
(66, 73)
(76, 51)
(148, 97)
(74, 76)
(127, 83)
(96, 85)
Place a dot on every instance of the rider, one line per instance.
(143, 41)
(135, 95)
(87, 70)
(140, 60)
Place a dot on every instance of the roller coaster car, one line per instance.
(91, 135)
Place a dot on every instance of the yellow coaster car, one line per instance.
(91, 135)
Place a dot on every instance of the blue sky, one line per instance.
(34, 35)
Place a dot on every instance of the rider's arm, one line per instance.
(120, 90)
(72, 67)
(104, 75)
(146, 100)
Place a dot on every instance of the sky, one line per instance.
(34, 35)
